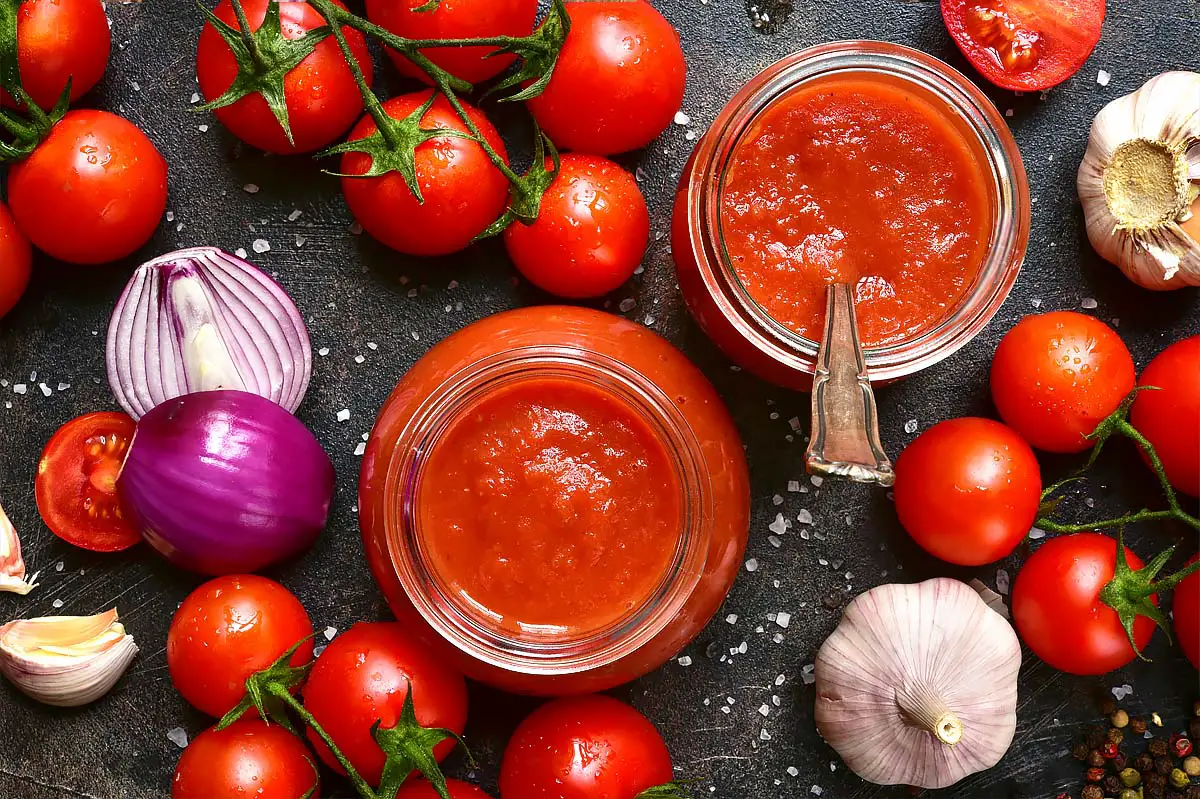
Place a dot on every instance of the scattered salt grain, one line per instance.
(19, 388)
(776, 500)
(817, 481)
(360, 449)
(763, 735)
(780, 680)
(910, 426)
(626, 305)
(356, 228)
(1119, 692)
(323, 351)
(774, 541)
(294, 215)
(1103, 77)
(359, 359)
(808, 674)
(240, 252)
(764, 710)
(1088, 303)
(1037, 533)
(731, 618)
(202, 128)
(752, 565)
(779, 526)
(1036, 302)
(371, 345)
(783, 619)
(794, 423)
(45, 389)
(195, 97)
(261, 245)
(178, 736)
(1002, 581)
(343, 415)
(58, 603)
(170, 216)
(793, 486)
(329, 632)
(684, 661)
(251, 188)
(59, 566)
(682, 118)
(804, 516)
(815, 790)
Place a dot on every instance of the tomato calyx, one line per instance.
(525, 196)
(25, 133)
(671, 790)
(1130, 591)
(409, 748)
(261, 690)
(538, 54)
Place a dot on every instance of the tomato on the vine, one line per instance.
(463, 190)
(619, 79)
(226, 630)
(590, 234)
(60, 40)
(248, 758)
(968, 490)
(1168, 414)
(455, 19)
(363, 676)
(101, 174)
(322, 98)
(16, 259)
(420, 789)
(1057, 608)
(625, 754)
(1057, 375)
(1185, 610)
(76, 485)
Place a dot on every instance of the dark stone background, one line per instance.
(354, 292)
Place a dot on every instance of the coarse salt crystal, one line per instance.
(685, 661)
(804, 516)
(793, 486)
(195, 97)
(731, 618)
(682, 118)
(240, 252)
(323, 351)
(778, 526)
(178, 736)
(815, 790)
(58, 603)
(371, 345)
(752, 565)
(360, 448)
(793, 771)
(783, 619)
(1002, 581)
(45, 389)
(63, 386)
(764, 709)
(817, 481)
(910, 426)
(19, 388)
(343, 415)
(763, 735)
(1088, 303)
(1037, 533)
(359, 359)
(251, 188)
(261, 245)
(780, 680)
(774, 541)
(329, 632)
(294, 215)
(776, 500)
(1103, 77)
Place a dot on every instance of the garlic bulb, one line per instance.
(12, 565)
(1140, 178)
(65, 661)
(918, 684)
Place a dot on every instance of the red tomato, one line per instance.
(584, 747)
(420, 789)
(249, 758)
(76, 485)
(322, 97)
(101, 173)
(619, 80)
(1186, 614)
(1058, 375)
(1057, 609)
(968, 490)
(464, 192)
(455, 19)
(226, 630)
(57, 40)
(364, 677)
(1170, 417)
(591, 234)
(1025, 44)
(16, 258)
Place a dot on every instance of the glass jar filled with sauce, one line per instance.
(853, 162)
(556, 499)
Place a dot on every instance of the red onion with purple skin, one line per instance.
(226, 482)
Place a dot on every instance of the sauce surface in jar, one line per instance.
(862, 180)
(550, 507)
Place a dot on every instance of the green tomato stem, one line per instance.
(360, 785)
(243, 21)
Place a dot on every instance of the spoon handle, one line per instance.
(845, 422)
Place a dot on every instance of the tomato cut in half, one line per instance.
(1025, 45)
(76, 486)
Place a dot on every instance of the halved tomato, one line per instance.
(1025, 45)
(76, 486)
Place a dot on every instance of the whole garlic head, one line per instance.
(918, 684)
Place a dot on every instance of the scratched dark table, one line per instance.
(353, 293)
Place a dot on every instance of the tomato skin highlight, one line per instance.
(364, 676)
(16, 261)
(226, 630)
(1057, 609)
(625, 754)
(968, 490)
(420, 789)
(464, 191)
(102, 173)
(75, 487)
(455, 19)
(59, 40)
(1169, 418)
(1185, 610)
(619, 80)
(1056, 376)
(591, 233)
(248, 758)
(322, 97)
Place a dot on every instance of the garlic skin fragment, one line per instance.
(12, 565)
(1140, 179)
(918, 684)
(65, 661)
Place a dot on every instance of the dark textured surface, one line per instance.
(354, 292)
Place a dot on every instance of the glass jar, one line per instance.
(715, 295)
(655, 383)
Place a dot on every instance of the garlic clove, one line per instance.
(65, 661)
(12, 565)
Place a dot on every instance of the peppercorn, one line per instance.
(1137, 726)
(1109, 750)
(1130, 793)
(1143, 763)
(1095, 759)
(1115, 736)
(1157, 747)
(1080, 751)
(1191, 765)
(1119, 718)
(1163, 765)
(1095, 774)
(1119, 762)
(1180, 746)
(1130, 778)
(1095, 737)
(1112, 785)
(1178, 778)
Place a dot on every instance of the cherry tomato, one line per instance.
(16, 259)
(1185, 610)
(76, 485)
(364, 677)
(1058, 375)
(464, 192)
(1057, 609)
(322, 97)
(59, 40)
(619, 80)
(226, 630)
(248, 758)
(1025, 44)
(591, 234)
(584, 747)
(420, 789)
(101, 173)
(1169, 418)
(455, 19)
(968, 490)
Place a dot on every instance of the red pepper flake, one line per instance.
(1095, 774)
(1109, 750)
(1181, 746)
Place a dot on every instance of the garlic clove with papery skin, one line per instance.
(918, 684)
(1140, 179)
(65, 661)
(12, 565)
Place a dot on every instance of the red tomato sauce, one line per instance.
(551, 507)
(855, 179)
